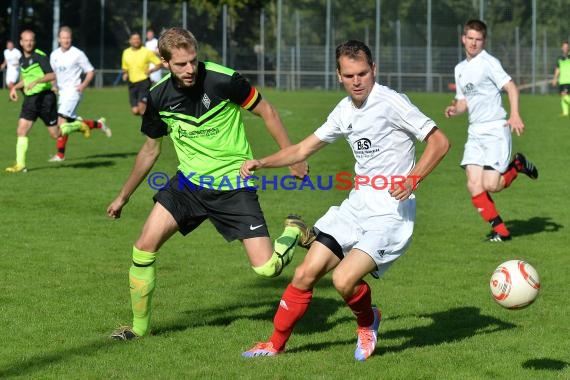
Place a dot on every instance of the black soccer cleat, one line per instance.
(497, 237)
(124, 333)
(525, 166)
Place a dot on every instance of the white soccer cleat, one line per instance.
(104, 127)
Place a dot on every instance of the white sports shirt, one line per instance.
(479, 81)
(12, 59)
(68, 67)
(381, 132)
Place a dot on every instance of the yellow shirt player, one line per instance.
(135, 65)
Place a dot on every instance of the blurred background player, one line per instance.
(135, 65)
(39, 99)
(70, 64)
(152, 45)
(11, 64)
(372, 228)
(479, 80)
(562, 78)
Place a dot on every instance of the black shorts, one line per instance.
(236, 214)
(42, 105)
(138, 92)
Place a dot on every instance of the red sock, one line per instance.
(510, 175)
(361, 305)
(60, 145)
(92, 124)
(293, 305)
(486, 207)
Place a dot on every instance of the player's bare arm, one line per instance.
(13, 94)
(144, 162)
(515, 120)
(285, 157)
(436, 148)
(457, 107)
(88, 78)
(275, 127)
(49, 77)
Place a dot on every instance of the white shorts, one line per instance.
(12, 75)
(373, 222)
(488, 145)
(68, 101)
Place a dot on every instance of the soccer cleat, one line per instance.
(367, 338)
(104, 127)
(56, 158)
(16, 169)
(496, 237)
(307, 234)
(525, 166)
(124, 333)
(261, 349)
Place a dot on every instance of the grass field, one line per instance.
(64, 265)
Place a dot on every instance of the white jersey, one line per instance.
(12, 59)
(152, 45)
(68, 67)
(381, 132)
(479, 81)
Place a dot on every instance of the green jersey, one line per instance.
(35, 67)
(204, 123)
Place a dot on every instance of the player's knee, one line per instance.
(343, 284)
(272, 268)
(304, 278)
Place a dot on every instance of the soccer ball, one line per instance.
(515, 284)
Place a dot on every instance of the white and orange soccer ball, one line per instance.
(515, 284)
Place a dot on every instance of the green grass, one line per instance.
(64, 265)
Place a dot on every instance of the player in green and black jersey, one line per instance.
(562, 78)
(198, 105)
(36, 76)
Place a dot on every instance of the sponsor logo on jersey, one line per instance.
(206, 101)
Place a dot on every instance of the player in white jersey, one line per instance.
(11, 64)
(152, 45)
(479, 80)
(373, 226)
(73, 73)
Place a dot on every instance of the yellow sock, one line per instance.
(21, 150)
(142, 278)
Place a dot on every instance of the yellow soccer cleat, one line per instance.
(16, 169)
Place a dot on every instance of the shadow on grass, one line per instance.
(39, 362)
(317, 318)
(78, 165)
(545, 364)
(446, 327)
(449, 326)
(533, 225)
(112, 155)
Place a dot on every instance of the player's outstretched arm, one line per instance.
(285, 157)
(436, 148)
(275, 127)
(145, 160)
